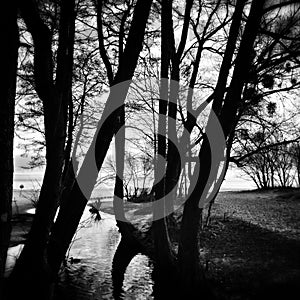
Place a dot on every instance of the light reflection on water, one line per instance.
(90, 276)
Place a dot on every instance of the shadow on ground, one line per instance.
(245, 261)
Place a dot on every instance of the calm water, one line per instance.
(89, 276)
(235, 180)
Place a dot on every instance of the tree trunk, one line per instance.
(165, 261)
(32, 266)
(73, 207)
(119, 182)
(125, 252)
(188, 248)
(240, 74)
(173, 156)
(10, 39)
(191, 276)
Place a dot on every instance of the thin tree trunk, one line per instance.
(241, 70)
(173, 157)
(10, 39)
(164, 267)
(119, 182)
(228, 55)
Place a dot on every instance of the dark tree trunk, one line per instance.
(191, 274)
(228, 55)
(119, 182)
(73, 207)
(188, 254)
(173, 156)
(125, 252)
(164, 259)
(10, 40)
(32, 267)
(228, 115)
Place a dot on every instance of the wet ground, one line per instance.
(87, 274)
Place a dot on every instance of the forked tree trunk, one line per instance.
(10, 40)
(188, 248)
(32, 266)
(73, 207)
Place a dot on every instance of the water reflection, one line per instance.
(137, 279)
(88, 273)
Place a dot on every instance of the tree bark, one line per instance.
(10, 39)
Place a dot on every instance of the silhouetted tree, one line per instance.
(10, 39)
(72, 207)
(32, 267)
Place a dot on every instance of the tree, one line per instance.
(295, 153)
(32, 266)
(72, 207)
(36, 264)
(188, 247)
(228, 114)
(10, 37)
(267, 158)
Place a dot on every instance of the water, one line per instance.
(89, 276)
(88, 273)
(32, 179)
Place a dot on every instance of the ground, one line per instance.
(250, 250)
(21, 219)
